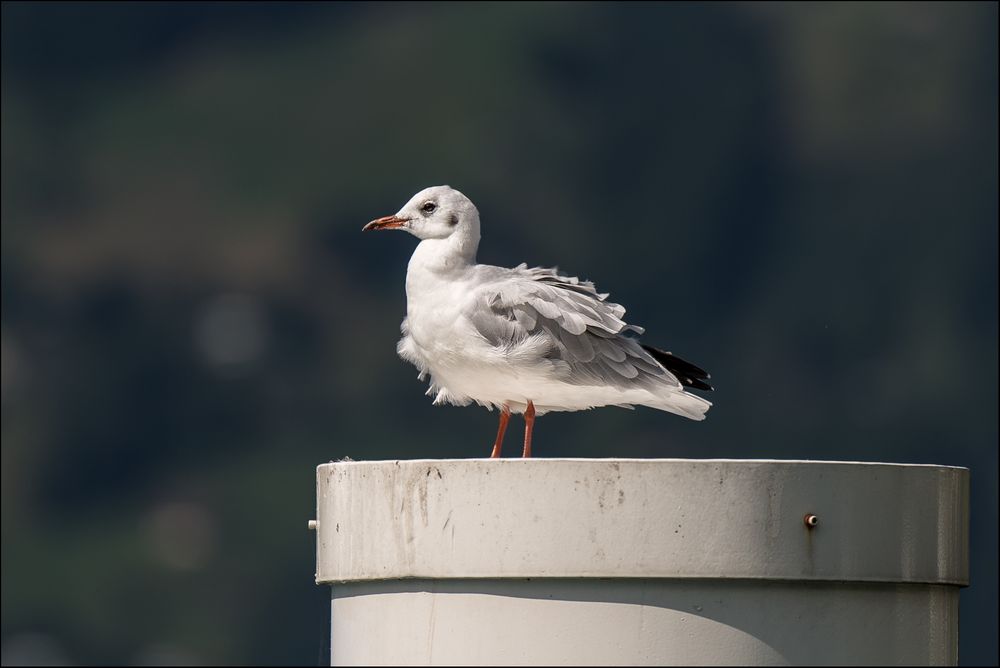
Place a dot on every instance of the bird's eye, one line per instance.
(428, 207)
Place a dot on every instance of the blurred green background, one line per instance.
(800, 197)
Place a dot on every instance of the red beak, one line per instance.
(386, 223)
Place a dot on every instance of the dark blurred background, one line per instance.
(800, 197)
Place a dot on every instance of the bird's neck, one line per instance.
(443, 256)
(434, 270)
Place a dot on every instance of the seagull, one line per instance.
(522, 340)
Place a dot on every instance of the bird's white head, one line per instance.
(438, 212)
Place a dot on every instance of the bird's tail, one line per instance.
(684, 404)
(676, 400)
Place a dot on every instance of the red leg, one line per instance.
(504, 417)
(529, 424)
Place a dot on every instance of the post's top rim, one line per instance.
(535, 461)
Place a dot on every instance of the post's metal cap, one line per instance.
(642, 518)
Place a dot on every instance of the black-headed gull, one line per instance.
(522, 340)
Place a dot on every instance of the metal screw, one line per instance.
(810, 520)
(312, 525)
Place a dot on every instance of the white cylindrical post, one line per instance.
(642, 562)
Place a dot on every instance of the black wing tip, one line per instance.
(688, 374)
(695, 383)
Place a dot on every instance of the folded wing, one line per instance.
(571, 327)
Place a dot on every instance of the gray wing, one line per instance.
(583, 332)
